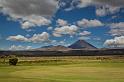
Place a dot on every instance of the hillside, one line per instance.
(81, 44)
(53, 48)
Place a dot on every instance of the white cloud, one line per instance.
(17, 38)
(54, 41)
(20, 47)
(69, 5)
(85, 33)
(110, 2)
(114, 3)
(43, 37)
(62, 22)
(89, 23)
(106, 10)
(29, 13)
(17, 8)
(84, 38)
(117, 29)
(50, 28)
(70, 30)
(57, 34)
(117, 25)
(116, 42)
(62, 42)
(27, 25)
(103, 7)
(32, 21)
(85, 3)
(36, 38)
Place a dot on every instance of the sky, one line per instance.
(27, 24)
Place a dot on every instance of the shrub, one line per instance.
(4, 58)
(13, 61)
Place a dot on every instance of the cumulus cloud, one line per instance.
(32, 21)
(103, 7)
(89, 23)
(117, 29)
(111, 2)
(116, 42)
(36, 38)
(29, 13)
(50, 28)
(43, 37)
(28, 7)
(85, 33)
(62, 42)
(70, 30)
(20, 47)
(62, 22)
(17, 38)
(117, 25)
(84, 3)
(106, 10)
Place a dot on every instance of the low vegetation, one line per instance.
(13, 61)
(64, 69)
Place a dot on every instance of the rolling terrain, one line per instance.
(79, 48)
(64, 69)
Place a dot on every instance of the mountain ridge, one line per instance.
(54, 48)
(80, 44)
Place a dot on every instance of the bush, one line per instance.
(13, 61)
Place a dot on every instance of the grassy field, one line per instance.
(64, 69)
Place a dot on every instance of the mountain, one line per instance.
(81, 44)
(53, 48)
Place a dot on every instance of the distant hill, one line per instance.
(81, 44)
(53, 48)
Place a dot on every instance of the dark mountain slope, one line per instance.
(81, 44)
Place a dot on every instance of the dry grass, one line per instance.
(64, 69)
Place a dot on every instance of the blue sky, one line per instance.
(99, 23)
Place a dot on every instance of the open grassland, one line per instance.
(64, 69)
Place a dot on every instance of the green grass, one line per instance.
(66, 69)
